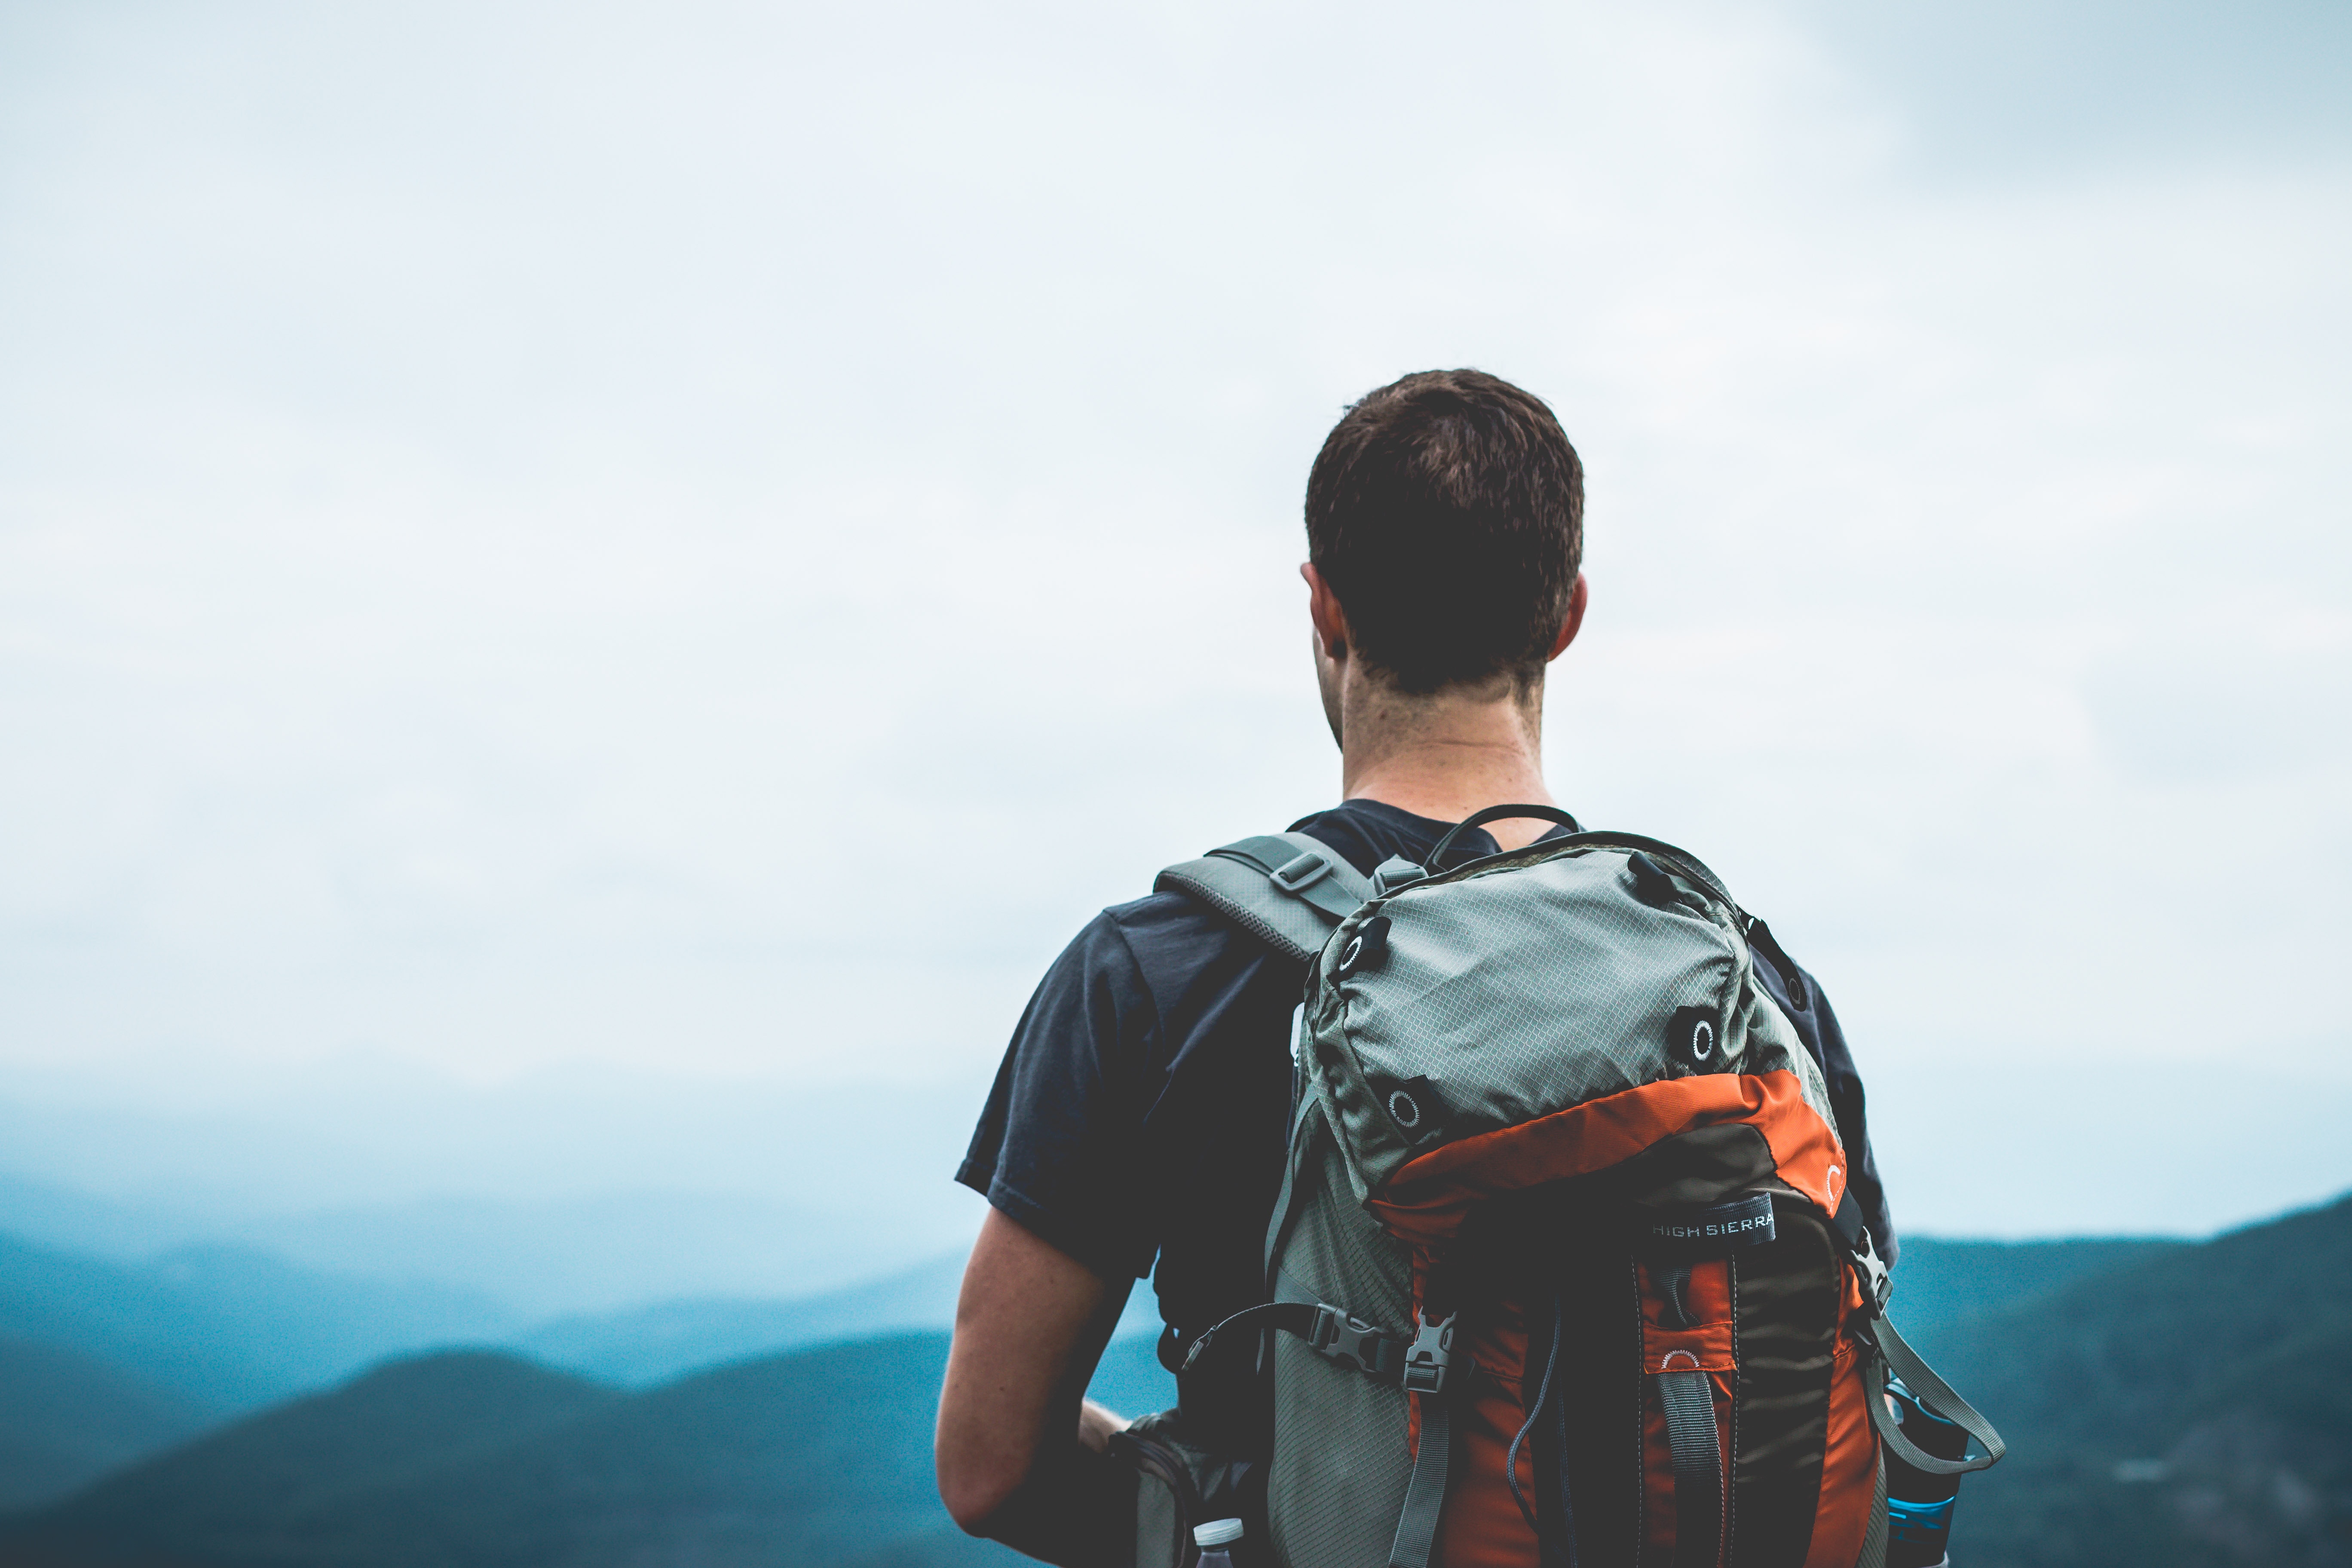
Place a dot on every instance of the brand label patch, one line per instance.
(1743, 1222)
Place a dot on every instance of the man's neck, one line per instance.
(1445, 756)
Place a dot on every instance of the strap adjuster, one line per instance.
(1877, 1280)
(1430, 1356)
(1342, 1337)
(1297, 875)
(1877, 1283)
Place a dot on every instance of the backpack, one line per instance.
(1564, 1270)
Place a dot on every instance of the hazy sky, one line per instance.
(702, 541)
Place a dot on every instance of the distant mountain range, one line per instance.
(483, 1460)
(1942, 1286)
(652, 1344)
(2192, 1406)
(67, 1417)
(224, 1328)
(102, 1363)
(615, 1188)
(2168, 1404)
(598, 1254)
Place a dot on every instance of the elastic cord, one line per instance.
(1511, 1460)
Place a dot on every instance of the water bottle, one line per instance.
(1216, 1540)
(1919, 1506)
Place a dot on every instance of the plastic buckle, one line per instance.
(1395, 873)
(1343, 1337)
(1877, 1280)
(1432, 1354)
(1297, 875)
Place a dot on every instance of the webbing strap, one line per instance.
(1425, 1495)
(1286, 1288)
(1301, 1137)
(1936, 1395)
(1304, 868)
(1688, 1396)
(1562, 1492)
(1287, 890)
(1874, 1539)
(1889, 1353)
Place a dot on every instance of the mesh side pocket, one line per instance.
(1340, 1464)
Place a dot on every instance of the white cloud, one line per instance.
(531, 536)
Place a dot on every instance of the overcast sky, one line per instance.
(689, 547)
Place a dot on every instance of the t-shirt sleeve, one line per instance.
(1801, 997)
(1056, 1147)
(1846, 1102)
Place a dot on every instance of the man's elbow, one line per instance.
(976, 1486)
(1064, 1503)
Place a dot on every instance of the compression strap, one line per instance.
(1425, 1495)
(1687, 1395)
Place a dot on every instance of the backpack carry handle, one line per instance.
(1497, 814)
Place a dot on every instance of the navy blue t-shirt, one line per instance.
(1141, 1109)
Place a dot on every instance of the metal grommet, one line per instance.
(1693, 1038)
(1405, 1109)
(1366, 949)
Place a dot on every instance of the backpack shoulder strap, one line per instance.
(1287, 889)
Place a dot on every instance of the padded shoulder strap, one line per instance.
(1286, 888)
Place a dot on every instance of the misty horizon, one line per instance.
(531, 537)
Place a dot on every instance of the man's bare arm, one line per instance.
(1018, 1450)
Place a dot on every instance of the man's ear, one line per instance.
(1578, 597)
(1323, 609)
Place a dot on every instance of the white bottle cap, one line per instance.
(1217, 1533)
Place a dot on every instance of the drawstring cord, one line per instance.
(1543, 1391)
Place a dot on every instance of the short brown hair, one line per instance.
(1446, 511)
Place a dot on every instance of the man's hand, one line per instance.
(1097, 1422)
(1030, 1325)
